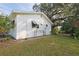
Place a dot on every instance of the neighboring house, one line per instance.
(29, 24)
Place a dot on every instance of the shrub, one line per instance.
(56, 30)
(66, 27)
(76, 33)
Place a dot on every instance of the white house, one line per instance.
(29, 24)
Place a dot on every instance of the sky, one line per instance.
(6, 8)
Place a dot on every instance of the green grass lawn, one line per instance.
(50, 45)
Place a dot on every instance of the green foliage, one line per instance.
(66, 27)
(56, 30)
(76, 32)
(5, 24)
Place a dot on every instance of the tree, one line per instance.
(36, 8)
(48, 8)
(5, 25)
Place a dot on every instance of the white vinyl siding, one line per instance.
(24, 26)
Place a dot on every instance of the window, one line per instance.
(34, 25)
(37, 26)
